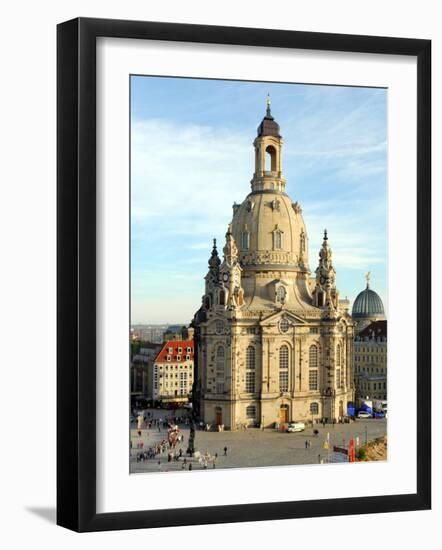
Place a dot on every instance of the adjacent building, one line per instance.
(141, 369)
(178, 332)
(273, 344)
(173, 373)
(370, 369)
(148, 333)
(367, 307)
(371, 361)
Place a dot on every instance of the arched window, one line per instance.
(250, 357)
(250, 370)
(338, 378)
(222, 298)
(219, 369)
(207, 302)
(313, 368)
(270, 159)
(313, 357)
(246, 240)
(339, 367)
(251, 411)
(338, 355)
(277, 239)
(284, 369)
(220, 357)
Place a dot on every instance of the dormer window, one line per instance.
(168, 358)
(178, 357)
(281, 293)
(180, 350)
(170, 350)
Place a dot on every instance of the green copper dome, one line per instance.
(368, 304)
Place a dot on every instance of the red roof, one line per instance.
(170, 348)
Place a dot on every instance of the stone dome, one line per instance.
(269, 232)
(368, 304)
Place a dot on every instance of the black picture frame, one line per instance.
(77, 287)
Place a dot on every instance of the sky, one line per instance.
(192, 157)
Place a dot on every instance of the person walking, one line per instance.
(306, 444)
(225, 451)
(190, 466)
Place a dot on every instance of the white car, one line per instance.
(364, 414)
(296, 427)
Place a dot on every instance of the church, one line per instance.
(273, 344)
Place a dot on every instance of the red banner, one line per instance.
(351, 450)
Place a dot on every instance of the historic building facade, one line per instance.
(370, 344)
(371, 361)
(141, 369)
(272, 344)
(172, 373)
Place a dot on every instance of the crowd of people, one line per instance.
(171, 444)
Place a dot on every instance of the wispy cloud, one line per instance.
(189, 164)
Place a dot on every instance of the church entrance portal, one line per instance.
(341, 408)
(284, 414)
(218, 416)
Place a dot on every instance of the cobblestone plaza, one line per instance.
(252, 447)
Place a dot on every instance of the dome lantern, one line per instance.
(267, 227)
(268, 155)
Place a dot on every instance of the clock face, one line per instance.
(225, 277)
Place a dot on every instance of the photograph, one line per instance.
(258, 274)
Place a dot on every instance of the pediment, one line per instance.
(283, 314)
